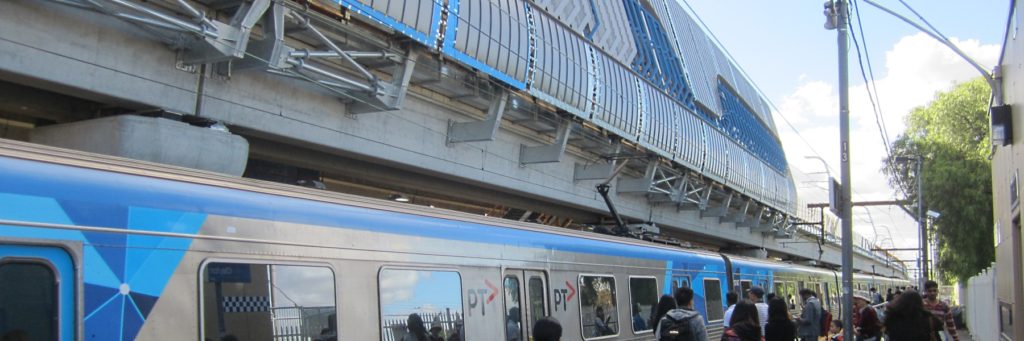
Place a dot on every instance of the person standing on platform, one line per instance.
(876, 298)
(756, 295)
(744, 324)
(547, 329)
(683, 323)
(866, 327)
(907, 319)
(809, 323)
(939, 309)
(780, 326)
(730, 299)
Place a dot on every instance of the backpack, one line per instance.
(826, 321)
(671, 329)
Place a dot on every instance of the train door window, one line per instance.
(713, 299)
(268, 301)
(513, 309)
(598, 309)
(791, 295)
(28, 301)
(419, 300)
(779, 290)
(536, 291)
(744, 289)
(679, 282)
(826, 299)
(643, 295)
(37, 288)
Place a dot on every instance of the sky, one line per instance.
(784, 48)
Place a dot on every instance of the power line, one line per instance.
(876, 101)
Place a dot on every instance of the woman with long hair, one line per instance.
(780, 326)
(665, 303)
(744, 324)
(417, 331)
(907, 320)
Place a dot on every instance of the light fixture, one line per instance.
(398, 197)
(933, 214)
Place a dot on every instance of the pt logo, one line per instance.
(476, 297)
(563, 296)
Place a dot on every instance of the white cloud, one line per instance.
(916, 68)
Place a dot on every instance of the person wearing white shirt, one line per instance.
(730, 298)
(756, 295)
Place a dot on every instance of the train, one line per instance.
(103, 248)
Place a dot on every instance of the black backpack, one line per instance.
(671, 329)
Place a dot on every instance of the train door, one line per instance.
(38, 295)
(525, 300)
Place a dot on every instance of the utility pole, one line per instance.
(837, 18)
(922, 223)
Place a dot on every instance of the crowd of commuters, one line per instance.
(905, 316)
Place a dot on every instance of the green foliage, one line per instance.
(952, 135)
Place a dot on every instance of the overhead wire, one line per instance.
(771, 103)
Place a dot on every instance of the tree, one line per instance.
(952, 135)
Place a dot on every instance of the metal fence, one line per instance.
(394, 326)
(303, 323)
(981, 306)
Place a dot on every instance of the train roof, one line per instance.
(212, 193)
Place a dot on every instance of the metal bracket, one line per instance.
(756, 224)
(548, 153)
(719, 211)
(271, 51)
(638, 185)
(391, 95)
(481, 130)
(599, 171)
(740, 216)
(231, 39)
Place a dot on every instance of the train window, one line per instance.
(513, 309)
(779, 290)
(791, 295)
(713, 299)
(744, 289)
(536, 291)
(28, 301)
(643, 294)
(417, 301)
(268, 301)
(598, 310)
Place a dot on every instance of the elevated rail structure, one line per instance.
(523, 105)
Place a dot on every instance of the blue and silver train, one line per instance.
(102, 248)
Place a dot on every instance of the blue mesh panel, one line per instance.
(656, 59)
(742, 126)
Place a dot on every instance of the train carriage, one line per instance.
(101, 248)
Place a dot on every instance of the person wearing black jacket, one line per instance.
(780, 326)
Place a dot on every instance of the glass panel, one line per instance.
(422, 302)
(779, 290)
(598, 309)
(269, 302)
(643, 293)
(791, 295)
(513, 312)
(745, 289)
(28, 302)
(537, 308)
(684, 282)
(713, 299)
